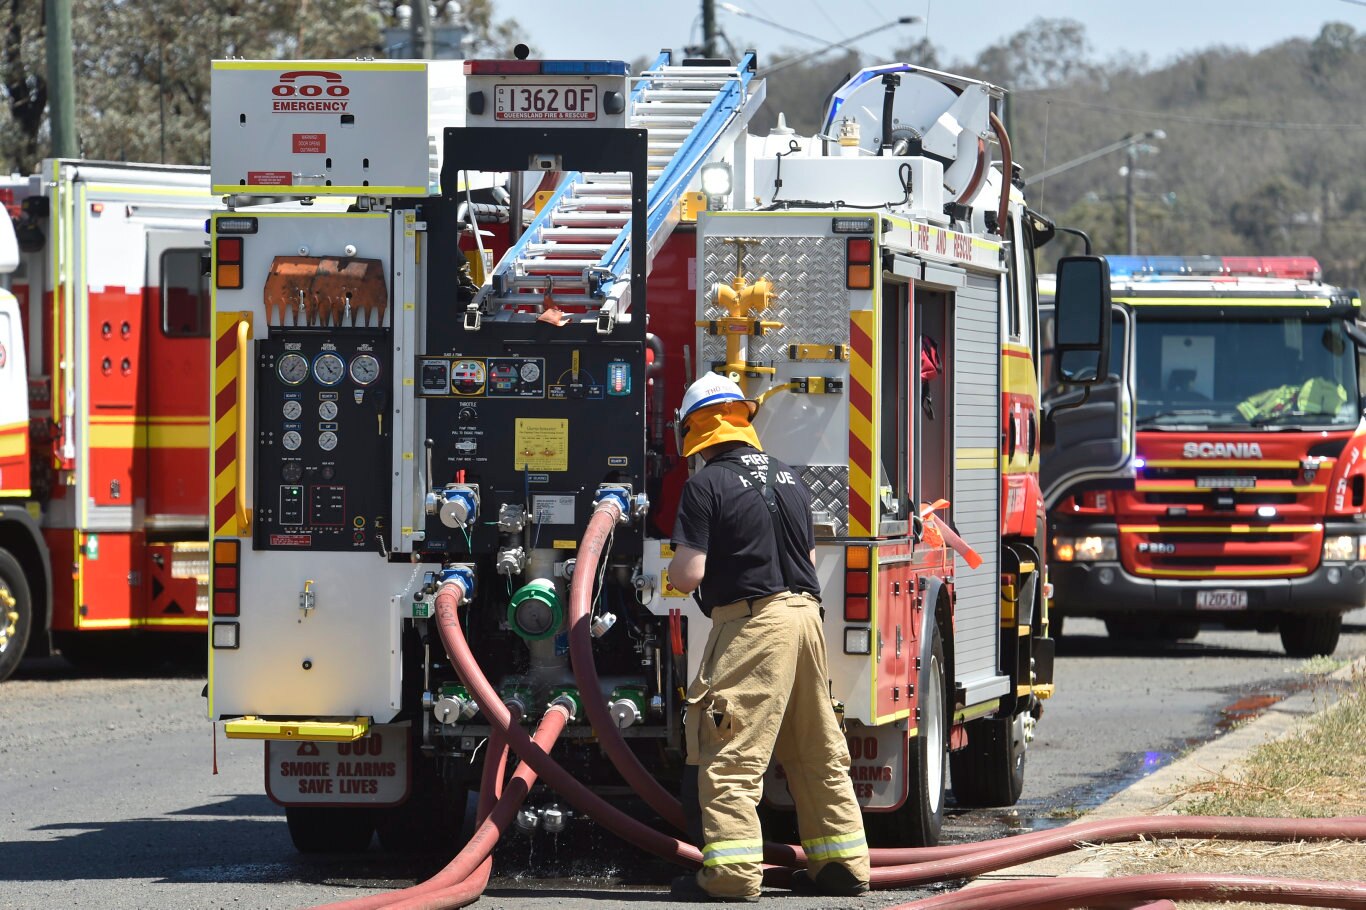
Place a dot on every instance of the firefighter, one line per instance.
(744, 544)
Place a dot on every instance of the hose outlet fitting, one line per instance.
(566, 697)
(462, 575)
(455, 706)
(528, 820)
(516, 700)
(458, 505)
(617, 494)
(535, 611)
(554, 818)
(627, 706)
(602, 624)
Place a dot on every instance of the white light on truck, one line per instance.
(1340, 548)
(716, 180)
(1085, 549)
(858, 640)
(225, 634)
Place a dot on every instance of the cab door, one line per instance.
(176, 366)
(1087, 432)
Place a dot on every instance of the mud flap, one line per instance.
(375, 770)
(878, 761)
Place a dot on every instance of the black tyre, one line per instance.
(1055, 623)
(990, 769)
(315, 829)
(918, 822)
(1178, 630)
(16, 614)
(1127, 629)
(431, 821)
(1311, 635)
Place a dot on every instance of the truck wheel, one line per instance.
(431, 821)
(318, 829)
(990, 769)
(1311, 635)
(1177, 630)
(16, 614)
(918, 821)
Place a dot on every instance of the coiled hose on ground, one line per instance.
(464, 879)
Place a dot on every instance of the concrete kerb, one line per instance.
(1160, 793)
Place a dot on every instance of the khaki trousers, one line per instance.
(760, 693)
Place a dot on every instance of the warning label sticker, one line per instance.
(291, 540)
(373, 770)
(269, 178)
(310, 143)
(552, 510)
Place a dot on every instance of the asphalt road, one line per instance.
(108, 797)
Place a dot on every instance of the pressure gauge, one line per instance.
(530, 372)
(329, 369)
(291, 440)
(328, 410)
(293, 369)
(293, 409)
(327, 441)
(364, 369)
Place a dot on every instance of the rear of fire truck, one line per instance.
(1248, 504)
(443, 503)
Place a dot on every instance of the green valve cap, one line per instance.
(535, 611)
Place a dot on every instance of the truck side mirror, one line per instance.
(1082, 302)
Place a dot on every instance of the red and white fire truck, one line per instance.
(103, 412)
(393, 439)
(1249, 499)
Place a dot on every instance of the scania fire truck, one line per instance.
(1250, 495)
(103, 413)
(400, 433)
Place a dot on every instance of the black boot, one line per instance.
(834, 880)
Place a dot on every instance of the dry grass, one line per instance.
(1317, 772)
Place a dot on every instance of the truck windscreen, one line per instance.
(1245, 373)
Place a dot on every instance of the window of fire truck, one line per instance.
(184, 294)
(1242, 371)
(897, 336)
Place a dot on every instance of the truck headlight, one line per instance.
(1085, 549)
(1340, 548)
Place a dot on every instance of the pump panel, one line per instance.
(322, 439)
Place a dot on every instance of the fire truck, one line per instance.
(1247, 505)
(104, 434)
(399, 429)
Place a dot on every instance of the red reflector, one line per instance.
(229, 249)
(225, 603)
(225, 578)
(856, 583)
(502, 67)
(859, 250)
(856, 609)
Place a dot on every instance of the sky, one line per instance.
(1160, 29)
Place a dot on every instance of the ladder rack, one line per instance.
(577, 250)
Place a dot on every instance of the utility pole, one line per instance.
(708, 28)
(1131, 224)
(422, 30)
(61, 91)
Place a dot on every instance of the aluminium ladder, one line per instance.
(576, 251)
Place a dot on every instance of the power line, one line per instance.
(1210, 121)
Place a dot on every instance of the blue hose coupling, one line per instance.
(462, 576)
(620, 495)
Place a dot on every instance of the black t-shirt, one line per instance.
(726, 517)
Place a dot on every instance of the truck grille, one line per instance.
(1220, 550)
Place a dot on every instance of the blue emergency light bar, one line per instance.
(546, 68)
(1304, 268)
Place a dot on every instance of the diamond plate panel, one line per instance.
(829, 485)
(810, 299)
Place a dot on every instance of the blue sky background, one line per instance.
(1161, 29)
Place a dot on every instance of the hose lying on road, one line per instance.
(464, 879)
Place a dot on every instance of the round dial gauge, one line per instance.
(530, 372)
(291, 440)
(328, 410)
(365, 369)
(329, 369)
(293, 369)
(327, 441)
(293, 409)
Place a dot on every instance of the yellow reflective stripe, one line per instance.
(839, 846)
(731, 852)
(1217, 300)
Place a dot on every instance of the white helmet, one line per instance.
(711, 389)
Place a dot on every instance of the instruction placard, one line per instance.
(541, 444)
